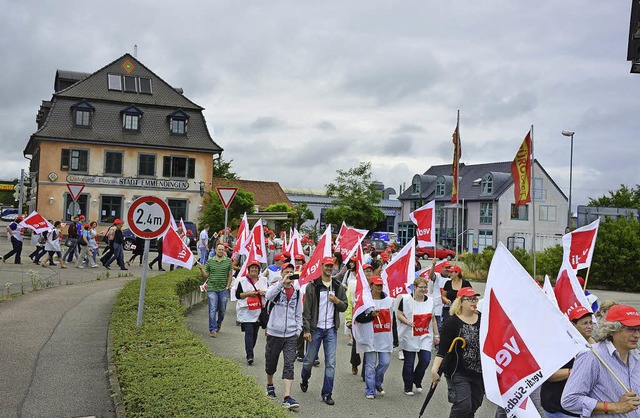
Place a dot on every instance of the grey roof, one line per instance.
(107, 120)
(315, 199)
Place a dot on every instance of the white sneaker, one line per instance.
(80, 266)
(401, 355)
(370, 397)
(94, 266)
(409, 393)
(419, 389)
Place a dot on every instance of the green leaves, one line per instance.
(213, 212)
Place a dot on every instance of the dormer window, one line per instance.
(440, 187)
(415, 185)
(131, 119)
(486, 186)
(178, 122)
(82, 114)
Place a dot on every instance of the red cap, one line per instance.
(384, 256)
(327, 260)
(253, 263)
(310, 241)
(299, 257)
(376, 280)
(118, 222)
(81, 217)
(446, 264)
(226, 244)
(288, 265)
(87, 226)
(467, 292)
(304, 239)
(286, 254)
(624, 314)
(19, 218)
(457, 269)
(578, 313)
(279, 257)
(581, 281)
(190, 232)
(367, 266)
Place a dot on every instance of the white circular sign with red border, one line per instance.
(148, 217)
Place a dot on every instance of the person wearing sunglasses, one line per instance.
(464, 376)
(596, 389)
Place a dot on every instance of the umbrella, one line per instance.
(448, 358)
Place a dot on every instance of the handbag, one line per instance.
(67, 242)
(263, 318)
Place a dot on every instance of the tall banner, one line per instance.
(568, 292)
(401, 271)
(348, 240)
(578, 245)
(521, 172)
(457, 153)
(251, 256)
(425, 219)
(515, 351)
(312, 270)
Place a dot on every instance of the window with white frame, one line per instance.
(486, 186)
(519, 213)
(440, 187)
(486, 213)
(548, 213)
(415, 185)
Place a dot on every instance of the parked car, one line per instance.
(378, 244)
(388, 237)
(441, 252)
(9, 214)
(130, 238)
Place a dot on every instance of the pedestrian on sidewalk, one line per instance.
(118, 241)
(83, 243)
(158, 259)
(93, 244)
(285, 324)
(218, 274)
(250, 294)
(15, 234)
(52, 246)
(138, 251)
(72, 241)
(38, 241)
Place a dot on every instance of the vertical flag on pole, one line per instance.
(457, 153)
(521, 172)
(578, 245)
(425, 220)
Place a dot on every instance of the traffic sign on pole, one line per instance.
(75, 189)
(148, 217)
(226, 195)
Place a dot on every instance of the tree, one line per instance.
(301, 214)
(213, 211)
(222, 169)
(356, 199)
(624, 197)
(297, 215)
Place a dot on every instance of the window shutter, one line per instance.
(64, 159)
(166, 167)
(191, 168)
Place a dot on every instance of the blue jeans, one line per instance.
(412, 376)
(118, 256)
(217, 308)
(329, 340)
(251, 330)
(374, 375)
(204, 255)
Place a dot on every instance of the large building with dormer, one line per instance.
(122, 132)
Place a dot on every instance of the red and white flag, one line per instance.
(36, 222)
(243, 235)
(362, 300)
(348, 240)
(425, 272)
(295, 245)
(312, 269)
(244, 270)
(257, 235)
(425, 220)
(568, 292)
(401, 270)
(175, 251)
(515, 359)
(548, 290)
(578, 245)
(184, 229)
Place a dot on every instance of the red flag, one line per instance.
(348, 239)
(244, 270)
(257, 235)
(457, 153)
(362, 299)
(521, 172)
(425, 220)
(568, 292)
(175, 251)
(36, 222)
(295, 245)
(578, 245)
(243, 235)
(425, 272)
(401, 271)
(311, 270)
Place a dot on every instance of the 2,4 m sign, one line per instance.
(148, 217)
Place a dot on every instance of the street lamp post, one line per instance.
(570, 134)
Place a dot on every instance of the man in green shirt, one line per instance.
(218, 273)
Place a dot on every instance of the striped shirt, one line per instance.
(591, 382)
(218, 273)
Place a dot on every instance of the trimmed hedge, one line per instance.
(164, 370)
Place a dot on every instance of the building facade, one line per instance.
(115, 135)
(486, 213)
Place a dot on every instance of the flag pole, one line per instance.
(533, 201)
(586, 278)
(457, 180)
(626, 389)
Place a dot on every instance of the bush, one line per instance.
(164, 370)
(549, 262)
(524, 258)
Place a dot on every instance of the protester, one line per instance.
(464, 379)
(272, 272)
(52, 246)
(83, 242)
(158, 258)
(14, 234)
(138, 251)
(374, 339)
(108, 238)
(325, 295)
(299, 261)
(118, 252)
(72, 241)
(348, 317)
(551, 392)
(415, 313)
(38, 241)
(249, 293)
(218, 275)
(203, 244)
(450, 289)
(338, 268)
(436, 284)
(93, 243)
(592, 388)
(283, 329)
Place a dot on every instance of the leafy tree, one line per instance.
(301, 214)
(297, 215)
(222, 169)
(281, 225)
(624, 197)
(213, 211)
(549, 261)
(356, 199)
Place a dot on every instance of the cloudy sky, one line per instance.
(294, 90)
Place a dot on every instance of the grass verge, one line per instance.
(164, 370)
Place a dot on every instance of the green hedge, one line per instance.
(164, 370)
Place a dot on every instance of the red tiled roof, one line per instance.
(265, 193)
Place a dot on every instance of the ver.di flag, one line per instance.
(518, 322)
(243, 235)
(257, 235)
(425, 219)
(401, 270)
(294, 247)
(521, 172)
(568, 292)
(348, 240)
(362, 300)
(578, 245)
(313, 269)
(36, 223)
(175, 251)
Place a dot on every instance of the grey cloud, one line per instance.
(398, 145)
(325, 125)
(409, 128)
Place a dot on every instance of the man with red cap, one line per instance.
(272, 273)
(592, 388)
(324, 299)
(14, 234)
(436, 284)
(118, 241)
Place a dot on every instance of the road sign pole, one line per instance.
(226, 218)
(143, 280)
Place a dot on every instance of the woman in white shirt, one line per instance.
(250, 294)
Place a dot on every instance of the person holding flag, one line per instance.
(464, 380)
(436, 284)
(450, 289)
(374, 339)
(218, 275)
(250, 295)
(606, 380)
(415, 314)
(348, 317)
(15, 234)
(272, 273)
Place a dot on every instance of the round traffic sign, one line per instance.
(148, 217)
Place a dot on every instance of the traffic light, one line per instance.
(16, 194)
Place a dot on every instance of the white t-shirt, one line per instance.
(204, 236)
(434, 292)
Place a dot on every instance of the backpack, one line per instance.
(43, 238)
